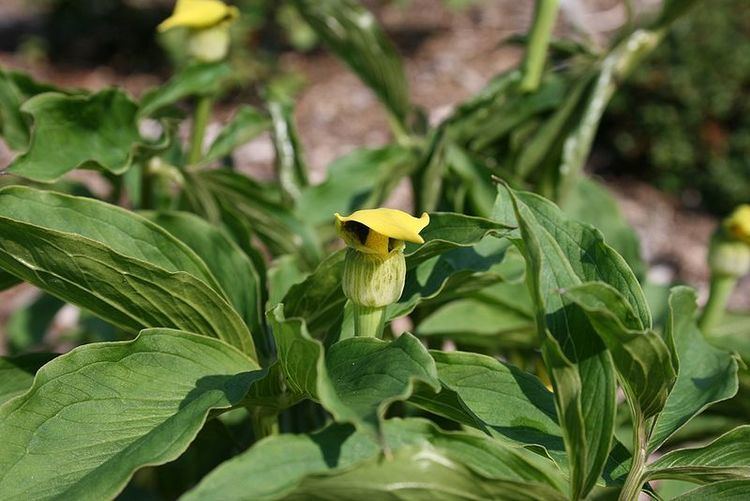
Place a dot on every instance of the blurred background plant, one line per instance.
(682, 120)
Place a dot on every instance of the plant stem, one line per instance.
(369, 321)
(545, 13)
(721, 288)
(399, 132)
(264, 423)
(200, 120)
(633, 483)
(146, 187)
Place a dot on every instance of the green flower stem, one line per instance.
(147, 187)
(545, 13)
(369, 321)
(633, 483)
(265, 423)
(721, 288)
(200, 121)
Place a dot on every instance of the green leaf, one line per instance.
(283, 273)
(119, 265)
(319, 299)
(706, 374)
(560, 254)
(726, 458)
(233, 269)
(448, 231)
(230, 196)
(70, 132)
(500, 399)
(729, 490)
(15, 89)
(591, 203)
(17, 373)
(360, 179)
(641, 357)
(452, 274)
(417, 473)
(200, 79)
(353, 34)
(291, 168)
(358, 378)
(731, 334)
(498, 316)
(265, 472)
(246, 124)
(97, 414)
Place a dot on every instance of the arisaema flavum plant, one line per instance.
(247, 340)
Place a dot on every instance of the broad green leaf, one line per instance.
(416, 473)
(70, 132)
(15, 89)
(265, 472)
(357, 379)
(283, 273)
(497, 316)
(232, 196)
(369, 374)
(728, 490)
(448, 231)
(560, 254)
(97, 414)
(361, 179)
(26, 327)
(234, 271)
(429, 271)
(726, 458)
(246, 124)
(352, 33)
(641, 357)
(731, 334)
(116, 264)
(452, 274)
(319, 299)
(591, 203)
(481, 392)
(291, 168)
(706, 374)
(585, 248)
(121, 230)
(17, 373)
(199, 79)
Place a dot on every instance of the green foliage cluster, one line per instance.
(216, 353)
(682, 118)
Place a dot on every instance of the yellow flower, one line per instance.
(199, 14)
(380, 231)
(738, 223)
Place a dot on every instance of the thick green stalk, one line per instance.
(545, 13)
(633, 483)
(200, 121)
(265, 423)
(147, 187)
(721, 288)
(369, 321)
